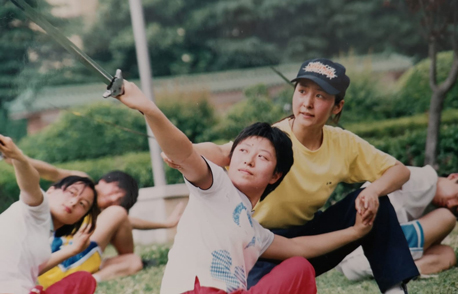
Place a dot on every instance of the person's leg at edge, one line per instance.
(342, 215)
(113, 227)
(77, 283)
(436, 225)
(293, 276)
(119, 266)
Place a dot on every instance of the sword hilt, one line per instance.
(115, 88)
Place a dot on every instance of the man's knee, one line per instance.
(136, 264)
(114, 212)
(449, 256)
(448, 219)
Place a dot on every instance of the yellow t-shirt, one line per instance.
(342, 157)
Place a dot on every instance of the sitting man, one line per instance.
(117, 193)
(424, 233)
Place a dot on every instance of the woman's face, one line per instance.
(70, 205)
(312, 106)
(252, 165)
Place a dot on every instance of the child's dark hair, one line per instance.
(125, 182)
(281, 143)
(93, 211)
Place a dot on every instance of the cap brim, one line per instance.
(323, 84)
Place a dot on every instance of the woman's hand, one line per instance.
(361, 229)
(6, 159)
(366, 205)
(133, 97)
(9, 149)
(81, 239)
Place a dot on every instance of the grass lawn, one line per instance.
(333, 282)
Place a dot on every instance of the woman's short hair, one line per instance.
(281, 143)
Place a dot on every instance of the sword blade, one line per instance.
(63, 41)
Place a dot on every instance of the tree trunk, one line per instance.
(432, 137)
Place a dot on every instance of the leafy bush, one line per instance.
(414, 92)
(87, 132)
(410, 148)
(194, 118)
(81, 134)
(399, 126)
(257, 107)
(364, 99)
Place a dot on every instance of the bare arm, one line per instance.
(80, 242)
(27, 177)
(218, 154)
(50, 172)
(172, 220)
(313, 246)
(392, 179)
(173, 142)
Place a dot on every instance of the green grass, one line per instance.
(332, 282)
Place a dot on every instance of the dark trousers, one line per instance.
(385, 246)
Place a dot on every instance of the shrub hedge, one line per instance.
(414, 93)
(408, 148)
(87, 132)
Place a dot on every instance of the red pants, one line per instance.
(76, 283)
(294, 275)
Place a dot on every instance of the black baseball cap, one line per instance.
(330, 76)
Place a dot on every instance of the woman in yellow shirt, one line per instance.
(323, 157)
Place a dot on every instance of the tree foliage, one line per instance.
(203, 36)
(439, 24)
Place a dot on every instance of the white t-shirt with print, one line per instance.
(24, 245)
(217, 240)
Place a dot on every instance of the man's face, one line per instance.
(109, 194)
(447, 192)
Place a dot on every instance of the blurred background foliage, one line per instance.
(196, 36)
(190, 36)
(75, 142)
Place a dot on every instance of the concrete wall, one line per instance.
(156, 204)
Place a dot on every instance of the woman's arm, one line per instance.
(392, 179)
(218, 154)
(313, 246)
(173, 142)
(80, 241)
(172, 220)
(50, 172)
(27, 177)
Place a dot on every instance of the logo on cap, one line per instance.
(320, 68)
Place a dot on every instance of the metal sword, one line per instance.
(114, 84)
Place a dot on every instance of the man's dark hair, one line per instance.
(281, 143)
(93, 211)
(125, 182)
